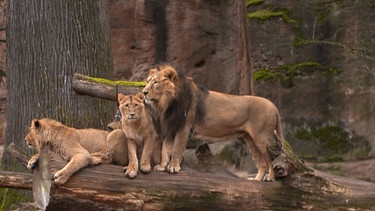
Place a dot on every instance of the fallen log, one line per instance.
(202, 186)
(9, 179)
(103, 88)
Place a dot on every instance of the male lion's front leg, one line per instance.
(132, 169)
(166, 152)
(33, 162)
(179, 147)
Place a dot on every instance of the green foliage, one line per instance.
(271, 12)
(287, 73)
(9, 197)
(334, 141)
(254, 2)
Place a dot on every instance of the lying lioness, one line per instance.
(74, 145)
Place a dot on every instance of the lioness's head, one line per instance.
(31, 138)
(160, 88)
(131, 106)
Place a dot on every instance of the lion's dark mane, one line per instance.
(174, 118)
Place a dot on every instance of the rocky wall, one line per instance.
(315, 60)
(201, 38)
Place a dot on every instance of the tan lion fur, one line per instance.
(183, 111)
(140, 134)
(75, 146)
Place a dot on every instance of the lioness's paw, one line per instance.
(96, 159)
(173, 169)
(33, 163)
(130, 172)
(146, 168)
(60, 178)
(159, 168)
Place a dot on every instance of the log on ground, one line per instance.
(203, 186)
(9, 179)
(105, 187)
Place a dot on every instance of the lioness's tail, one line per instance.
(279, 130)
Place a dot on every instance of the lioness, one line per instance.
(73, 145)
(183, 111)
(140, 133)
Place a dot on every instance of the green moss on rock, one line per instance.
(287, 73)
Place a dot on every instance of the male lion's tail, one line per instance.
(279, 131)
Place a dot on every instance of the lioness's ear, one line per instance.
(140, 96)
(36, 123)
(169, 72)
(121, 98)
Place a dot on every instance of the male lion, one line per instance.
(140, 133)
(183, 111)
(74, 146)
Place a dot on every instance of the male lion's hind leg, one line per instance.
(258, 159)
(262, 144)
(33, 162)
(76, 163)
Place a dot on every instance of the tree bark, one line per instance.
(9, 179)
(202, 186)
(47, 41)
(103, 88)
(244, 64)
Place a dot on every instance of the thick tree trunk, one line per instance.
(47, 41)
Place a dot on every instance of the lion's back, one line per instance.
(92, 139)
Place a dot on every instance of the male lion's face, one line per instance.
(160, 85)
(31, 138)
(131, 106)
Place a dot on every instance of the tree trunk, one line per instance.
(47, 41)
(244, 65)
